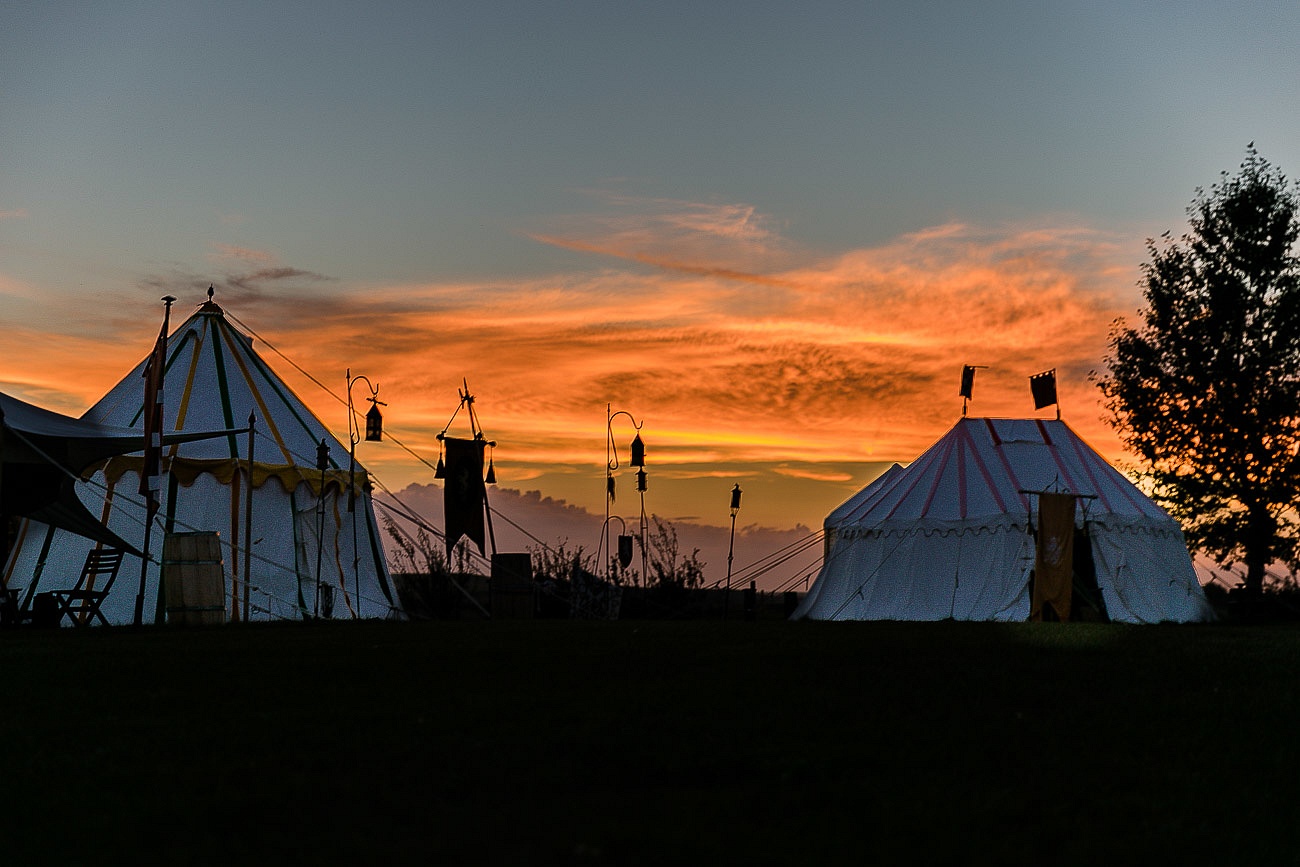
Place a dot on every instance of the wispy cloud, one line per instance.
(710, 238)
(659, 261)
(747, 353)
(257, 281)
(814, 475)
(228, 252)
(852, 356)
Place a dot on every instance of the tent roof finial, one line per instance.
(210, 306)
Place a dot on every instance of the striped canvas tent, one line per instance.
(302, 526)
(949, 536)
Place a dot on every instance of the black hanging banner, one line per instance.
(1043, 387)
(967, 381)
(464, 493)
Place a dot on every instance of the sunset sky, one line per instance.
(772, 232)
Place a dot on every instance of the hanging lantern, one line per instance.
(625, 551)
(640, 480)
(491, 477)
(638, 452)
(735, 500)
(322, 456)
(374, 423)
(440, 471)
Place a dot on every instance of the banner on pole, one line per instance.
(1054, 560)
(464, 493)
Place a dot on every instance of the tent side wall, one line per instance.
(1145, 573)
(912, 572)
(282, 585)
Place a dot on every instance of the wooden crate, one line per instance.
(194, 579)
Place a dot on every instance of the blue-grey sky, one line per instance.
(695, 162)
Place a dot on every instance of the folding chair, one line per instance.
(81, 603)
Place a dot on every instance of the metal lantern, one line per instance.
(640, 481)
(735, 500)
(638, 453)
(625, 551)
(374, 423)
(322, 456)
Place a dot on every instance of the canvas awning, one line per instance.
(43, 453)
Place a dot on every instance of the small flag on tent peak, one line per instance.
(967, 380)
(968, 384)
(1043, 387)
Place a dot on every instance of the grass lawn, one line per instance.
(652, 743)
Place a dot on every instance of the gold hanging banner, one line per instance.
(1054, 560)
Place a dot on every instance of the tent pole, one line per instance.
(320, 536)
(144, 572)
(4, 519)
(248, 521)
(356, 555)
(492, 539)
(477, 433)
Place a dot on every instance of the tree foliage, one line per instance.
(1205, 390)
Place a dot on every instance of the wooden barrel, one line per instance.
(193, 579)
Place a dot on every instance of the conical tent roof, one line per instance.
(950, 535)
(214, 380)
(301, 524)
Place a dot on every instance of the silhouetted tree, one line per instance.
(1206, 390)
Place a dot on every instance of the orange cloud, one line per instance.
(853, 357)
(730, 351)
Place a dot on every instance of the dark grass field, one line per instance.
(652, 743)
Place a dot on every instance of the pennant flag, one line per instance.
(967, 380)
(464, 493)
(1043, 387)
(154, 374)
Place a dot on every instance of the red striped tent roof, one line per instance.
(984, 468)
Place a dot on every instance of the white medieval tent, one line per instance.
(214, 381)
(952, 534)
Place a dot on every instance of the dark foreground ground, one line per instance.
(652, 743)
